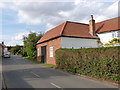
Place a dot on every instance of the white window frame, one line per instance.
(38, 52)
(118, 34)
(113, 35)
(51, 51)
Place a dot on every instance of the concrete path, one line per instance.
(21, 73)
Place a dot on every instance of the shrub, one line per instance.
(19, 52)
(16, 50)
(96, 62)
(113, 42)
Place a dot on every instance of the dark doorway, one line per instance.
(43, 54)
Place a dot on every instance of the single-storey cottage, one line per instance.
(75, 35)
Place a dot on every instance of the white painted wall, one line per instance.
(108, 36)
(76, 43)
(5, 51)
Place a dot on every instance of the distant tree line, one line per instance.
(16, 50)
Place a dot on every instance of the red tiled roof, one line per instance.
(68, 28)
(3, 45)
(55, 32)
(74, 29)
(108, 25)
(81, 30)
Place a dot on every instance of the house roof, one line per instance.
(80, 30)
(3, 45)
(55, 32)
(108, 25)
(71, 29)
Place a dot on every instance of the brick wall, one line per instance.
(56, 44)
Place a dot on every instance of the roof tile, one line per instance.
(108, 25)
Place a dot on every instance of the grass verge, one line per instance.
(38, 62)
(30, 59)
(49, 65)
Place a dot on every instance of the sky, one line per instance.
(19, 18)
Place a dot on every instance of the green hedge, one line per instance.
(96, 62)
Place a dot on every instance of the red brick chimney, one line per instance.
(92, 25)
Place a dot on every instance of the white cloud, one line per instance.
(99, 18)
(25, 18)
(14, 42)
(39, 13)
(19, 36)
(112, 10)
(16, 39)
(7, 38)
(54, 13)
(49, 26)
(2, 5)
(64, 14)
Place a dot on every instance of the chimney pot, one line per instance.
(91, 17)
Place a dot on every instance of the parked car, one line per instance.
(6, 55)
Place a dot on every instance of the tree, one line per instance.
(30, 44)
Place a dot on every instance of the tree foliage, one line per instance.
(30, 44)
(100, 43)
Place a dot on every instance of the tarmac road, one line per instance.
(21, 73)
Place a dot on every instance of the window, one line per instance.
(118, 34)
(38, 52)
(113, 35)
(51, 51)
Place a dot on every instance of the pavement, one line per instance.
(21, 73)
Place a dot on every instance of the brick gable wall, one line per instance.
(56, 44)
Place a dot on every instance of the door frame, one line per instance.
(44, 53)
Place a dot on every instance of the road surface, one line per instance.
(21, 73)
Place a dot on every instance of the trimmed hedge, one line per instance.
(96, 62)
